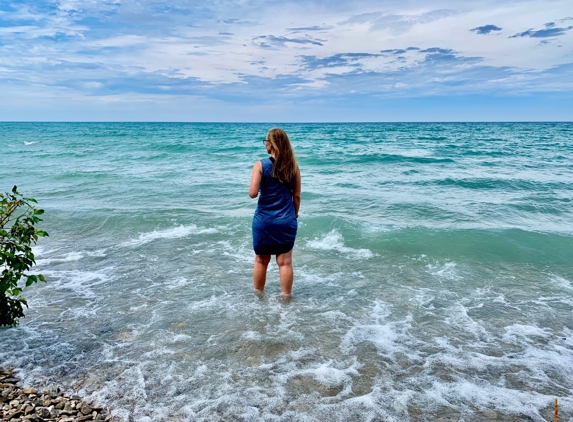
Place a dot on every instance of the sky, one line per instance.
(286, 61)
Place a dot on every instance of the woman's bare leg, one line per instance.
(284, 261)
(260, 272)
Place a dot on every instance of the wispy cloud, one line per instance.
(309, 29)
(398, 23)
(273, 41)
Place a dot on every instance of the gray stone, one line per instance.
(13, 415)
(85, 409)
(69, 412)
(43, 412)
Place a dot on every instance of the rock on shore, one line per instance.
(20, 404)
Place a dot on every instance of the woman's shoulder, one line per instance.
(262, 161)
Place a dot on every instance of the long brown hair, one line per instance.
(285, 166)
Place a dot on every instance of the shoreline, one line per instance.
(20, 404)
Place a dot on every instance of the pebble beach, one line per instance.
(29, 404)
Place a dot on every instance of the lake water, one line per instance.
(433, 272)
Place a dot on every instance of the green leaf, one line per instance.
(31, 280)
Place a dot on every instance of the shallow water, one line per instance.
(433, 274)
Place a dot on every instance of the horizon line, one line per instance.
(286, 122)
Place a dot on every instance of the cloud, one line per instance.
(486, 29)
(550, 31)
(253, 51)
(338, 60)
(237, 22)
(398, 23)
(271, 40)
(308, 28)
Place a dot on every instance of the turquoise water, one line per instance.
(433, 271)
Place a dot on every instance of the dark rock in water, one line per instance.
(307, 385)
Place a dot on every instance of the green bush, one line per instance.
(18, 216)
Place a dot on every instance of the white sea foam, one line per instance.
(176, 232)
(424, 299)
(26, 143)
(69, 257)
(333, 241)
(330, 375)
(446, 270)
(176, 283)
(313, 277)
(82, 283)
(376, 227)
(389, 337)
(487, 397)
(241, 253)
(458, 317)
(562, 282)
(251, 335)
(518, 333)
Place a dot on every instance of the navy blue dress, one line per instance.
(274, 223)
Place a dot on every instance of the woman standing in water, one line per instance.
(277, 178)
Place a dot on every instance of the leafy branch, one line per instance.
(18, 217)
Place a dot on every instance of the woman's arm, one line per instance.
(256, 177)
(296, 192)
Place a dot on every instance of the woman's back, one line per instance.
(275, 199)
